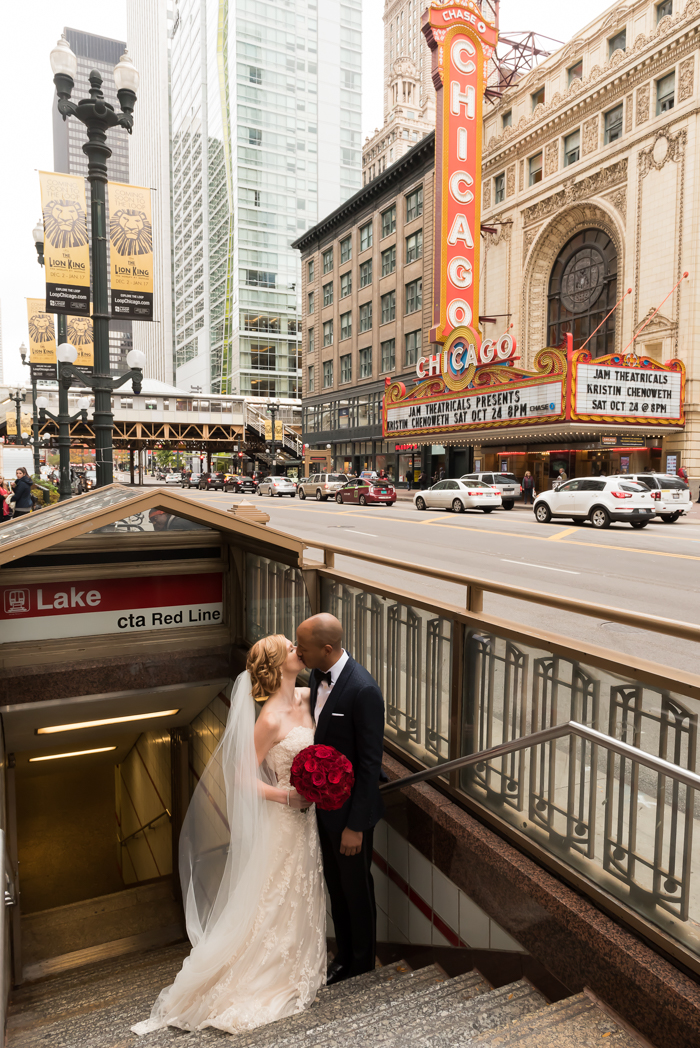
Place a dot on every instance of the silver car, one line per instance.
(321, 486)
(277, 486)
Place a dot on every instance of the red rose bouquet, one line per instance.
(323, 776)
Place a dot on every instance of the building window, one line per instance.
(535, 169)
(366, 362)
(345, 326)
(345, 285)
(499, 188)
(388, 355)
(328, 333)
(328, 293)
(254, 137)
(617, 42)
(311, 271)
(366, 273)
(311, 301)
(414, 295)
(413, 347)
(388, 307)
(366, 317)
(665, 93)
(537, 98)
(582, 290)
(255, 74)
(414, 246)
(328, 260)
(663, 9)
(327, 374)
(613, 125)
(575, 72)
(311, 379)
(311, 340)
(366, 237)
(345, 250)
(572, 148)
(414, 204)
(346, 368)
(388, 261)
(389, 221)
(507, 120)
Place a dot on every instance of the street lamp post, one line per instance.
(99, 117)
(66, 355)
(18, 398)
(35, 411)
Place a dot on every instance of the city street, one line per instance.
(655, 571)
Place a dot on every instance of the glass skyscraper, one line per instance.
(265, 125)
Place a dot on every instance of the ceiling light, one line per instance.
(75, 753)
(107, 720)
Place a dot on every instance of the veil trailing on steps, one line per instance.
(224, 845)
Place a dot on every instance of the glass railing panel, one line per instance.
(409, 653)
(629, 829)
(276, 598)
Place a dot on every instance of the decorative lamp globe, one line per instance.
(63, 60)
(136, 359)
(66, 353)
(126, 75)
(38, 232)
(83, 404)
(42, 403)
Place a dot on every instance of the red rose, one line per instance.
(327, 784)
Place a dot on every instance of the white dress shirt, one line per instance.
(325, 689)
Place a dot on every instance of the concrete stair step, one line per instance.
(576, 1022)
(369, 995)
(386, 973)
(393, 1022)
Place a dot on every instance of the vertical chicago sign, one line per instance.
(462, 42)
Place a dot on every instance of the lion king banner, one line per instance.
(66, 243)
(81, 335)
(131, 251)
(42, 339)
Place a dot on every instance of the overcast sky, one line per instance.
(32, 30)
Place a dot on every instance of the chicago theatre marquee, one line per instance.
(558, 312)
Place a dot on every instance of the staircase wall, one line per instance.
(565, 932)
(143, 791)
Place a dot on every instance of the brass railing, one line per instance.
(591, 761)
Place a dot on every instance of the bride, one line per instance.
(250, 864)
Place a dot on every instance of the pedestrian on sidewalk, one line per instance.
(528, 488)
(409, 481)
(22, 488)
(5, 509)
(682, 472)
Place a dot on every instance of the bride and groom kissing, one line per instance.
(254, 852)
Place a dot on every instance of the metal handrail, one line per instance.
(557, 731)
(123, 840)
(10, 892)
(652, 623)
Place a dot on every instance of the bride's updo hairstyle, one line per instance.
(265, 661)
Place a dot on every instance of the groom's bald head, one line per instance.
(319, 641)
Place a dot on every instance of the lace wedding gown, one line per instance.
(282, 963)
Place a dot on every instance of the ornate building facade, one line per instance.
(590, 188)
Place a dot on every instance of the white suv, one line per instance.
(600, 500)
(675, 494)
(506, 484)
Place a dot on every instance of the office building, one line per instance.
(253, 99)
(100, 53)
(409, 95)
(148, 28)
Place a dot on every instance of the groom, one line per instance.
(348, 709)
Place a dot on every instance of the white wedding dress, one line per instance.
(238, 978)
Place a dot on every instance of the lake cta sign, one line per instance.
(44, 611)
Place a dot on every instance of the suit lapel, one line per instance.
(336, 692)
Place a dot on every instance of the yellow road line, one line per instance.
(561, 534)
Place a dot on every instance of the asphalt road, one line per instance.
(654, 571)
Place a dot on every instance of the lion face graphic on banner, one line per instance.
(41, 328)
(130, 232)
(65, 224)
(80, 331)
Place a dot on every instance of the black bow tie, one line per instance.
(324, 676)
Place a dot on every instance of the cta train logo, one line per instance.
(461, 357)
(17, 601)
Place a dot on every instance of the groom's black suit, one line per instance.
(352, 720)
